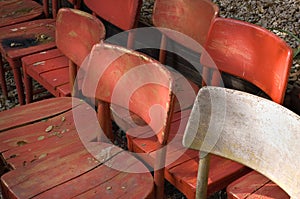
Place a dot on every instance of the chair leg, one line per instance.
(162, 52)
(130, 41)
(15, 65)
(159, 173)
(28, 86)
(2, 79)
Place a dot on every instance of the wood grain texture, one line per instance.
(13, 12)
(52, 157)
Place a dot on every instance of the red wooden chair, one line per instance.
(17, 11)
(52, 144)
(51, 68)
(251, 130)
(53, 60)
(226, 44)
(249, 52)
(19, 40)
(192, 18)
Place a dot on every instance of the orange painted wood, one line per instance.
(13, 12)
(59, 164)
(35, 112)
(221, 173)
(34, 137)
(31, 133)
(64, 90)
(49, 61)
(88, 177)
(55, 167)
(248, 49)
(254, 186)
(56, 78)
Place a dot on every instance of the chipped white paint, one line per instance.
(14, 29)
(39, 63)
(256, 132)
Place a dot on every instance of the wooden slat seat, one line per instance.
(63, 164)
(61, 153)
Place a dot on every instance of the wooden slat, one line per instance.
(255, 185)
(33, 112)
(221, 172)
(32, 132)
(24, 156)
(246, 185)
(46, 174)
(47, 65)
(270, 190)
(88, 178)
(13, 12)
(42, 56)
(56, 77)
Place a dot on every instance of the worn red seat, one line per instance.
(53, 146)
(24, 39)
(226, 42)
(252, 131)
(52, 61)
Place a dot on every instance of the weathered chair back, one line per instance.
(131, 80)
(76, 33)
(122, 13)
(253, 131)
(192, 18)
(249, 52)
